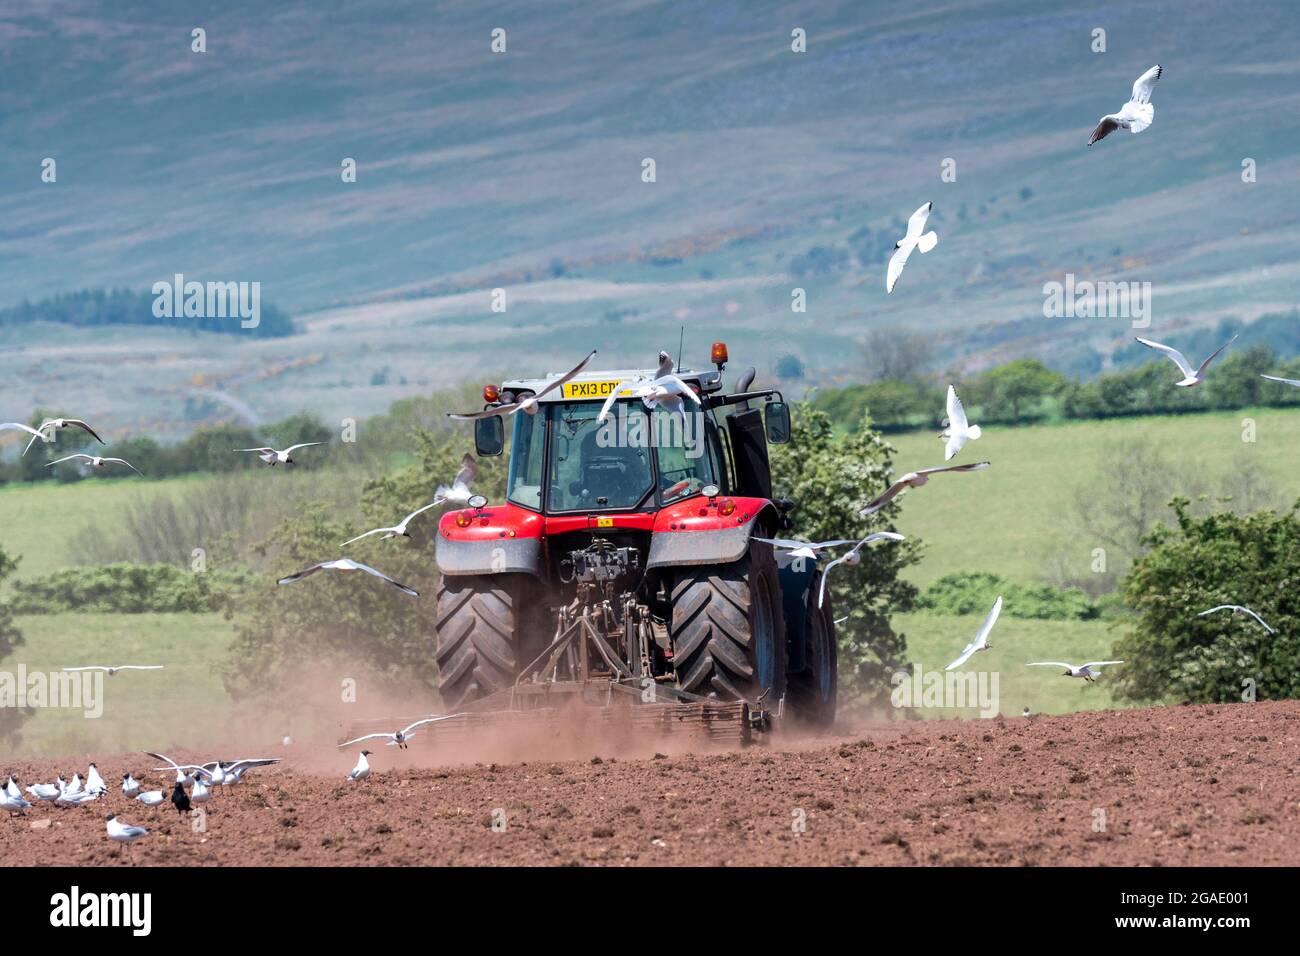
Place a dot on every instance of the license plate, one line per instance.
(588, 389)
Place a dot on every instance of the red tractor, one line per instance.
(625, 557)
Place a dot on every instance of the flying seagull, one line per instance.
(362, 769)
(1239, 609)
(1083, 670)
(19, 426)
(55, 424)
(958, 430)
(346, 564)
(1190, 377)
(96, 461)
(117, 667)
(805, 549)
(1284, 381)
(981, 641)
(913, 240)
(397, 530)
(273, 457)
(183, 778)
(853, 556)
(527, 404)
(915, 479)
(1135, 115)
(459, 492)
(400, 737)
(665, 390)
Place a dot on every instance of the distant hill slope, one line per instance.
(95, 307)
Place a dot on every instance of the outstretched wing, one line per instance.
(884, 499)
(1051, 664)
(468, 472)
(916, 224)
(567, 376)
(896, 263)
(621, 389)
(299, 575)
(1206, 363)
(123, 461)
(486, 413)
(679, 386)
(426, 720)
(358, 740)
(375, 531)
(68, 458)
(382, 576)
(1145, 83)
(1173, 355)
(1101, 663)
(1284, 381)
(973, 466)
(1104, 129)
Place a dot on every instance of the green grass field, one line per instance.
(934, 640)
(43, 521)
(155, 709)
(1015, 518)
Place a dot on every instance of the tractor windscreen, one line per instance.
(595, 466)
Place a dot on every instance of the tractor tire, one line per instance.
(728, 631)
(483, 626)
(813, 691)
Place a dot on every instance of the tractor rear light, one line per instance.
(718, 354)
(491, 394)
(464, 519)
(726, 507)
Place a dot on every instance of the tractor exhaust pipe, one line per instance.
(742, 384)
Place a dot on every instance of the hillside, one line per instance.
(522, 170)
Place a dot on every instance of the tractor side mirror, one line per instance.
(489, 436)
(776, 419)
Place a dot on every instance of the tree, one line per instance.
(1201, 562)
(831, 480)
(896, 354)
(1009, 392)
(11, 638)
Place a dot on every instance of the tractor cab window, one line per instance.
(595, 466)
(682, 447)
(524, 486)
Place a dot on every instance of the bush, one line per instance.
(128, 589)
(973, 592)
(1201, 562)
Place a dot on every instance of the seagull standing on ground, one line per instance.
(130, 786)
(529, 402)
(400, 737)
(915, 479)
(1083, 670)
(46, 791)
(362, 769)
(345, 564)
(273, 457)
(1135, 115)
(1239, 609)
(182, 778)
(152, 798)
(122, 832)
(11, 787)
(665, 390)
(853, 556)
(94, 782)
(913, 240)
(96, 461)
(981, 641)
(200, 792)
(12, 803)
(54, 425)
(957, 430)
(1190, 376)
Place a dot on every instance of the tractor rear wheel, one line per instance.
(728, 632)
(813, 691)
(484, 626)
